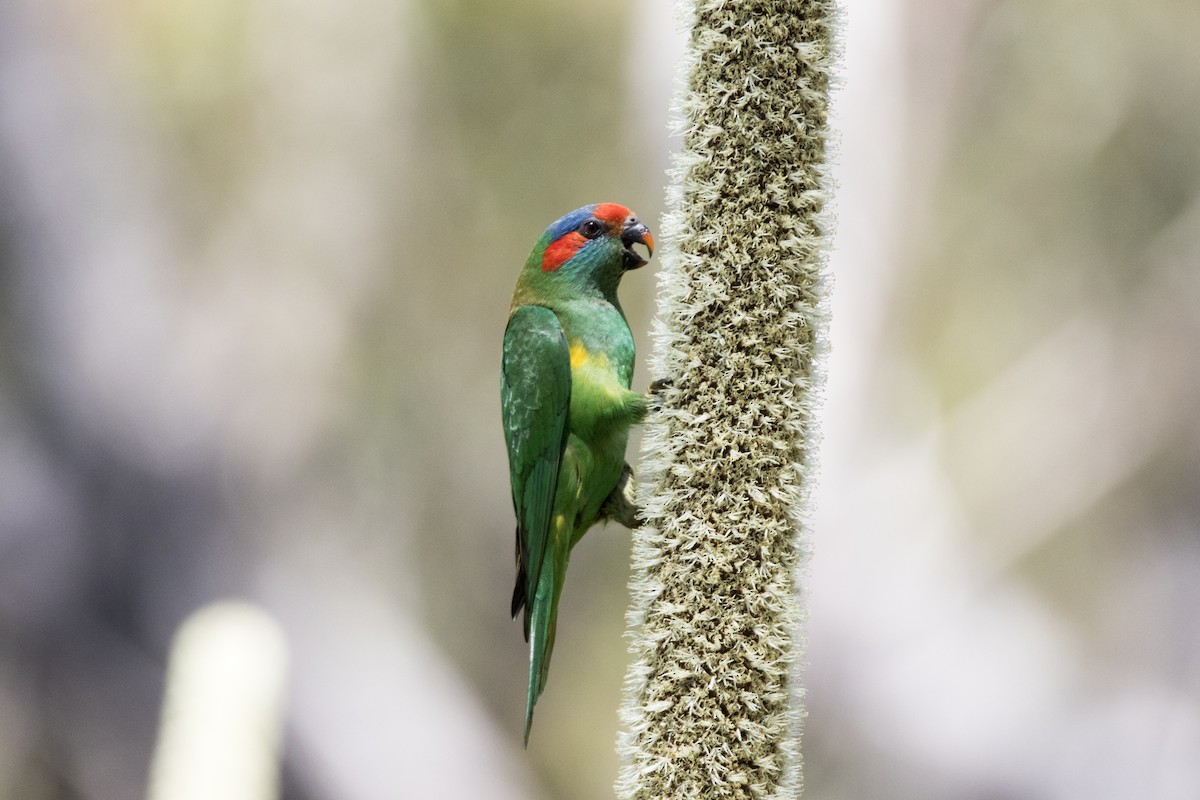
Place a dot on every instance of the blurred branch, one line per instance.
(711, 707)
(222, 714)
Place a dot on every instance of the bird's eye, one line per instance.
(591, 229)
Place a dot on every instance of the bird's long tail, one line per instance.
(543, 625)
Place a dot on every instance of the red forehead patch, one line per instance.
(561, 249)
(612, 213)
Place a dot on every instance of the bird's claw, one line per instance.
(657, 389)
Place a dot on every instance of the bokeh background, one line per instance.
(255, 261)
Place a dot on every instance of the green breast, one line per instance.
(597, 330)
(602, 356)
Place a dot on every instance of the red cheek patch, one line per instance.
(561, 249)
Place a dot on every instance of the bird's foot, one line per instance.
(619, 506)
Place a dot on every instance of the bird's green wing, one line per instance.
(535, 394)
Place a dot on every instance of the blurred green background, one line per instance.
(255, 263)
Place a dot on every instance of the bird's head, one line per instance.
(591, 246)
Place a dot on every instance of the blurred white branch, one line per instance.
(223, 708)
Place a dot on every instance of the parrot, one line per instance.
(567, 407)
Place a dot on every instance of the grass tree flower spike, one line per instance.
(712, 706)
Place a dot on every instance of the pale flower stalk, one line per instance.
(712, 706)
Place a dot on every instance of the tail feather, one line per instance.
(543, 625)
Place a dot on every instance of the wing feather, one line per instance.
(535, 395)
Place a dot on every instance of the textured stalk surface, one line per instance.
(712, 706)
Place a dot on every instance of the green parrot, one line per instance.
(567, 407)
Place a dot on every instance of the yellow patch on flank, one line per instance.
(560, 520)
(579, 355)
